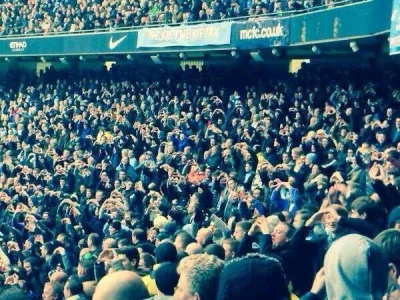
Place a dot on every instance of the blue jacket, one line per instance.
(292, 203)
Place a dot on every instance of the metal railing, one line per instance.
(283, 14)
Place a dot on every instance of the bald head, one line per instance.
(109, 244)
(121, 285)
(59, 276)
(194, 248)
(204, 235)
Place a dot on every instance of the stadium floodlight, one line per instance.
(316, 50)
(276, 52)
(82, 58)
(354, 46)
(257, 56)
(156, 59)
(182, 56)
(129, 57)
(43, 59)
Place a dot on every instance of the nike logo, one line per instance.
(113, 44)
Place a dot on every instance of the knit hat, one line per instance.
(312, 157)
(166, 278)
(116, 224)
(255, 277)
(166, 251)
(394, 217)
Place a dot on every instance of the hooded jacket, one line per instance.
(355, 268)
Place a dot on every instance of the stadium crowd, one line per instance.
(191, 184)
(42, 17)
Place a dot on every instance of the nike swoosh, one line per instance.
(113, 44)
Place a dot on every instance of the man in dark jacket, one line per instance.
(276, 243)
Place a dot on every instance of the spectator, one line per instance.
(52, 291)
(389, 241)
(166, 278)
(71, 17)
(394, 218)
(73, 289)
(284, 197)
(216, 250)
(254, 277)
(165, 252)
(355, 266)
(119, 285)
(241, 229)
(67, 210)
(12, 292)
(194, 248)
(199, 275)
(231, 247)
(182, 240)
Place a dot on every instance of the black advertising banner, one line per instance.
(261, 33)
(70, 44)
(324, 25)
(339, 22)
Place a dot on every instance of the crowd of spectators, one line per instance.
(50, 16)
(206, 184)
